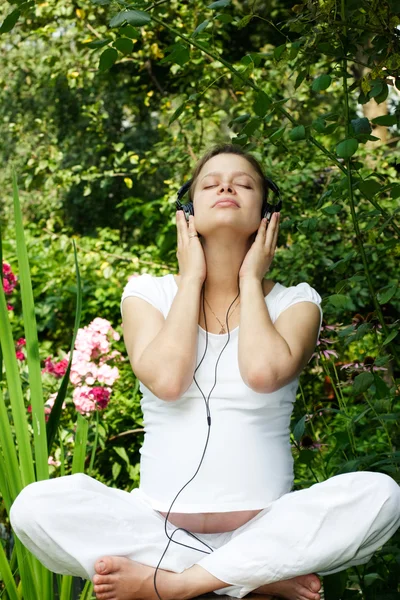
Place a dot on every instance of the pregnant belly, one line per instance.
(219, 522)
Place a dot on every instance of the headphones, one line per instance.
(266, 211)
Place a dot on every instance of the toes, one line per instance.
(102, 589)
(315, 584)
(106, 596)
(104, 565)
(103, 579)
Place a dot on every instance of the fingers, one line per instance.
(269, 231)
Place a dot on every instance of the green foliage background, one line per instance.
(104, 110)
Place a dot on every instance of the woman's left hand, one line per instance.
(258, 259)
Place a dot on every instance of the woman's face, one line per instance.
(231, 177)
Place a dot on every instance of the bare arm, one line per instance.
(273, 354)
(163, 351)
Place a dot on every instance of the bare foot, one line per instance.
(119, 578)
(304, 587)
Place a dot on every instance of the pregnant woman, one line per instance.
(218, 350)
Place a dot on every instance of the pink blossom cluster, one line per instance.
(87, 399)
(18, 348)
(91, 373)
(9, 281)
(57, 369)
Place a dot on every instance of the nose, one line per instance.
(227, 186)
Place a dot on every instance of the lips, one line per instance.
(231, 200)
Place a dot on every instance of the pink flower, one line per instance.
(57, 369)
(86, 398)
(9, 307)
(20, 355)
(51, 461)
(9, 279)
(20, 343)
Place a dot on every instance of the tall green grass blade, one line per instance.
(16, 397)
(11, 472)
(4, 489)
(1, 275)
(7, 576)
(78, 462)
(32, 346)
(87, 591)
(52, 423)
(66, 587)
(29, 571)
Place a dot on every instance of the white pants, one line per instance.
(70, 522)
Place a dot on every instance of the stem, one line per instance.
(383, 424)
(96, 437)
(342, 406)
(352, 206)
(312, 427)
(309, 466)
(62, 453)
(278, 108)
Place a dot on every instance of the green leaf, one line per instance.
(333, 209)
(379, 98)
(219, 4)
(319, 125)
(107, 59)
(98, 43)
(308, 225)
(386, 293)
(376, 89)
(395, 191)
(362, 382)
(299, 428)
(133, 17)
(334, 585)
(10, 21)
(179, 54)
(277, 134)
(339, 301)
(200, 28)
(370, 187)
(300, 78)
(306, 457)
(385, 120)
(244, 21)
(297, 133)
(347, 148)
(361, 125)
(116, 470)
(177, 112)
(390, 337)
(279, 50)
(122, 454)
(124, 45)
(382, 390)
(321, 83)
(130, 32)
(261, 104)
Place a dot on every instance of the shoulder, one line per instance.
(288, 296)
(154, 289)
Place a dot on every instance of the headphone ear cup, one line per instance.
(187, 209)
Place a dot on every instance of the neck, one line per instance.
(223, 259)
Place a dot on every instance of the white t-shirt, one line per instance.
(248, 461)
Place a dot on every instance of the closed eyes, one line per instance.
(239, 184)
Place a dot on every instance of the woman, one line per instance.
(228, 505)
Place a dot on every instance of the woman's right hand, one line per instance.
(190, 254)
